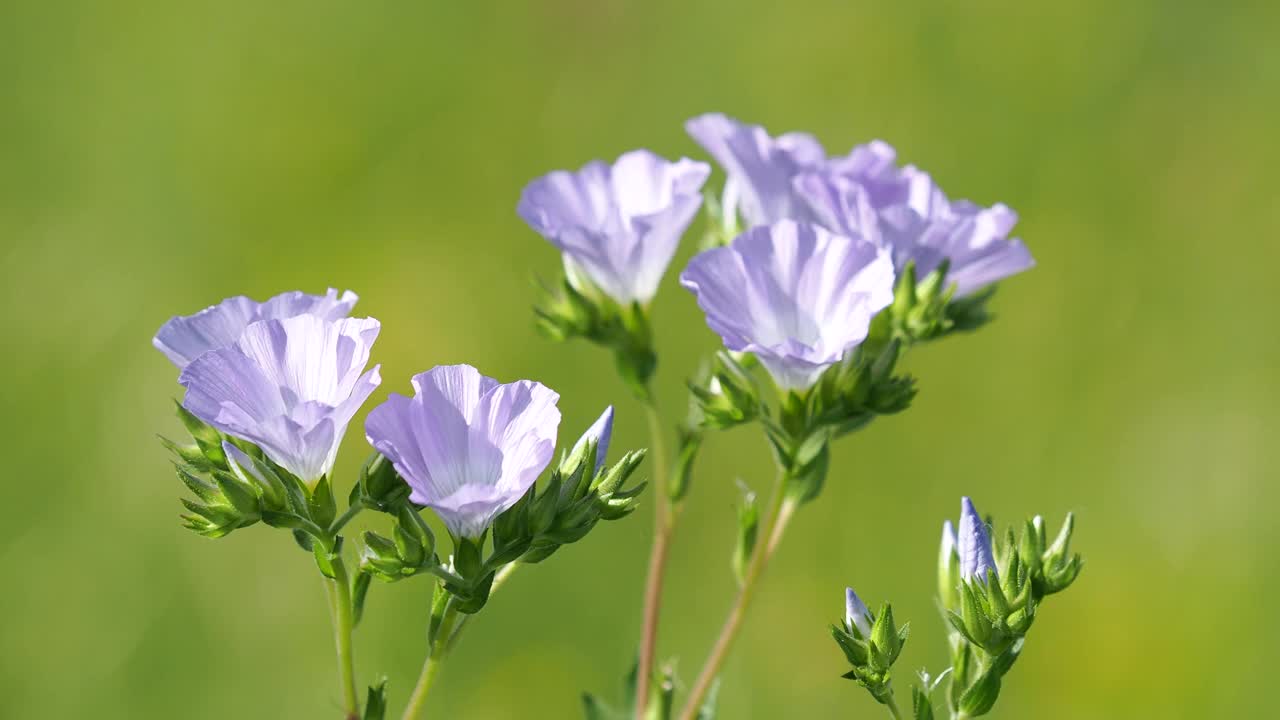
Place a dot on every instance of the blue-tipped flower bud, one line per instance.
(601, 432)
(974, 544)
(856, 614)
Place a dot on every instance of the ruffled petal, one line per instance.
(617, 225)
(183, 339)
(467, 446)
(794, 294)
(760, 167)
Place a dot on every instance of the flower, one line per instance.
(973, 239)
(920, 225)
(618, 225)
(760, 167)
(601, 431)
(794, 294)
(973, 544)
(856, 614)
(863, 193)
(468, 447)
(289, 386)
(185, 338)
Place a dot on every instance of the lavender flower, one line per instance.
(856, 614)
(619, 226)
(186, 338)
(468, 447)
(906, 213)
(794, 294)
(974, 544)
(760, 167)
(289, 386)
(975, 241)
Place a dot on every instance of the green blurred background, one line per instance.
(156, 157)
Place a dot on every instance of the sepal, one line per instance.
(410, 550)
(379, 486)
(576, 309)
(725, 392)
(375, 704)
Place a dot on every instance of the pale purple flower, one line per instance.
(973, 544)
(185, 338)
(289, 386)
(856, 614)
(601, 431)
(468, 447)
(974, 239)
(760, 167)
(920, 225)
(873, 167)
(618, 225)
(793, 294)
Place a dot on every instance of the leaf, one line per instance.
(981, 696)
(359, 591)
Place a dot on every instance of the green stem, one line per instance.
(499, 579)
(893, 707)
(664, 522)
(781, 510)
(345, 518)
(339, 590)
(435, 658)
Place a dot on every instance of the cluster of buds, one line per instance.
(577, 495)
(847, 395)
(991, 593)
(871, 643)
(226, 500)
(237, 485)
(924, 309)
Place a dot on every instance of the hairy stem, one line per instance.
(780, 512)
(664, 522)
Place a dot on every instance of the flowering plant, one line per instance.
(818, 274)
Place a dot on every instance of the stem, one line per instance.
(893, 707)
(345, 518)
(664, 523)
(498, 579)
(435, 658)
(780, 511)
(339, 590)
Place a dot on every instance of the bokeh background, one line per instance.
(156, 157)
